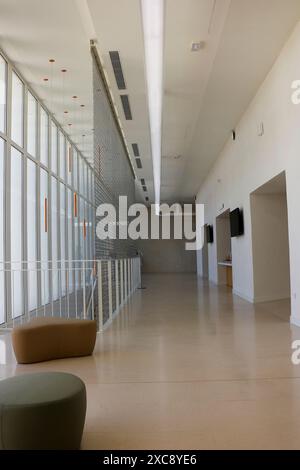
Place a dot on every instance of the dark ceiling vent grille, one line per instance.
(117, 68)
(126, 107)
(145, 189)
(136, 150)
(143, 183)
(138, 162)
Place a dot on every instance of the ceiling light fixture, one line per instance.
(153, 26)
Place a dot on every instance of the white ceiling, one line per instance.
(254, 33)
(205, 92)
(34, 31)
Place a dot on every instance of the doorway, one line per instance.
(270, 241)
(224, 257)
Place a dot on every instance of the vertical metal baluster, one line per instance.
(100, 298)
(44, 284)
(117, 283)
(68, 293)
(60, 289)
(13, 298)
(125, 279)
(84, 306)
(93, 286)
(109, 278)
(52, 290)
(76, 291)
(121, 282)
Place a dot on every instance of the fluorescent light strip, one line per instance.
(153, 25)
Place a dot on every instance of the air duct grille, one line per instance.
(117, 68)
(126, 107)
(136, 151)
(138, 163)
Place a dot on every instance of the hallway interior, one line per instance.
(187, 365)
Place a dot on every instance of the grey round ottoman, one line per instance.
(42, 411)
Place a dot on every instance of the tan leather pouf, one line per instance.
(43, 339)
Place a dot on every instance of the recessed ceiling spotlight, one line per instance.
(74, 97)
(70, 125)
(64, 70)
(45, 79)
(197, 46)
(66, 112)
(51, 61)
(82, 105)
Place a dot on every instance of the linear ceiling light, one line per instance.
(153, 25)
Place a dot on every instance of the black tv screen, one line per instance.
(236, 223)
(209, 234)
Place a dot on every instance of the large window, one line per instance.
(69, 164)
(62, 156)
(16, 231)
(44, 229)
(44, 122)
(31, 235)
(2, 215)
(31, 124)
(82, 229)
(70, 237)
(76, 236)
(53, 147)
(54, 237)
(81, 176)
(17, 110)
(63, 237)
(3, 74)
(75, 169)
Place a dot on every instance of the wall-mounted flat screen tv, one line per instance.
(236, 223)
(209, 233)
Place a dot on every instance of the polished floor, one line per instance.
(188, 366)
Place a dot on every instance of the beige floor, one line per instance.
(188, 366)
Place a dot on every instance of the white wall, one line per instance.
(223, 245)
(202, 256)
(166, 256)
(251, 160)
(270, 246)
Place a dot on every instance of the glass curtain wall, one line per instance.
(46, 214)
